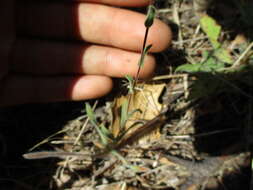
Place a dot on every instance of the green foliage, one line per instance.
(210, 64)
(106, 136)
(214, 72)
(212, 30)
(223, 55)
(215, 60)
(124, 116)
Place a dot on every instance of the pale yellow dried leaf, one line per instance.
(145, 99)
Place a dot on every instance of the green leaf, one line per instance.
(90, 113)
(189, 68)
(130, 83)
(212, 30)
(144, 53)
(209, 65)
(223, 55)
(93, 120)
(129, 78)
(105, 131)
(125, 116)
(150, 16)
(146, 49)
(205, 54)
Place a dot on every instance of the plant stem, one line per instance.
(142, 54)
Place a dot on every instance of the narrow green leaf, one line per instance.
(105, 130)
(90, 113)
(144, 53)
(146, 49)
(130, 83)
(93, 120)
(150, 16)
(102, 136)
(129, 78)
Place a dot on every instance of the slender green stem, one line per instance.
(142, 54)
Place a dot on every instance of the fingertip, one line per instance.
(126, 3)
(90, 87)
(160, 36)
(53, 89)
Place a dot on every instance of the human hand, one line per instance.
(69, 51)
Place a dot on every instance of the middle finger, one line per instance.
(42, 57)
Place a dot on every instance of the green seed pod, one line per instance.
(150, 16)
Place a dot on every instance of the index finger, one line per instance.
(126, 3)
(93, 23)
